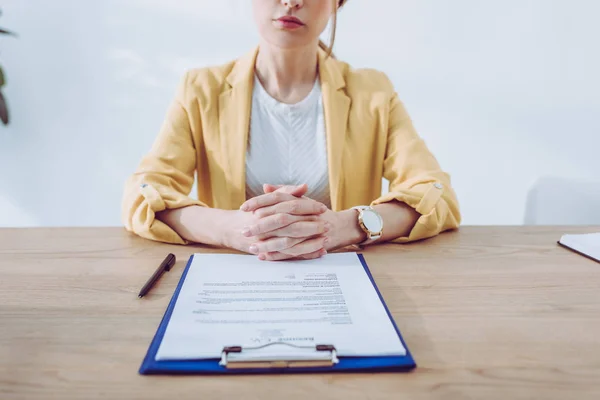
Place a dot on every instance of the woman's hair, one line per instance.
(322, 45)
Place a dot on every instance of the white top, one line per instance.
(287, 144)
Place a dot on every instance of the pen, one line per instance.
(166, 265)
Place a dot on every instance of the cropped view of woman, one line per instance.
(289, 146)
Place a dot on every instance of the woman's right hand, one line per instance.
(251, 234)
(281, 226)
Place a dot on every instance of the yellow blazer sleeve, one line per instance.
(164, 177)
(416, 178)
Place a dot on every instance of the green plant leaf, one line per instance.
(3, 110)
(4, 31)
(2, 81)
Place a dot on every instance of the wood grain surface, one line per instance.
(488, 312)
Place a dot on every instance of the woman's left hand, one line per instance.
(343, 225)
(330, 230)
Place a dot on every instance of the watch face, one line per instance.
(372, 221)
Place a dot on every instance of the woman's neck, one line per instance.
(287, 75)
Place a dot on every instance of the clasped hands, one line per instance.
(283, 224)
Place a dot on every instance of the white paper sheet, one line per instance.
(237, 300)
(586, 243)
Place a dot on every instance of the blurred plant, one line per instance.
(3, 107)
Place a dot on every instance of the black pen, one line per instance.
(166, 265)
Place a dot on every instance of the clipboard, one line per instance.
(329, 362)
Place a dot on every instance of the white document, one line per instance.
(237, 300)
(587, 243)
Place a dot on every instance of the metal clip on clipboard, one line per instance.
(277, 362)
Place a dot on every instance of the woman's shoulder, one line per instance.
(366, 80)
(207, 79)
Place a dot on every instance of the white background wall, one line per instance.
(505, 92)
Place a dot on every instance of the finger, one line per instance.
(274, 222)
(265, 200)
(280, 256)
(294, 207)
(311, 256)
(306, 247)
(275, 256)
(301, 229)
(267, 188)
(294, 190)
(299, 191)
(274, 244)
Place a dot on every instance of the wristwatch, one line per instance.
(370, 222)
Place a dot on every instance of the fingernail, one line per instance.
(246, 231)
(244, 207)
(262, 257)
(253, 249)
(322, 208)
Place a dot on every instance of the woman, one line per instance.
(288, 114)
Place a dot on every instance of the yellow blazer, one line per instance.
(369, 136)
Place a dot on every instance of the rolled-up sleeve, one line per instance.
(416, 178)
(164, 177)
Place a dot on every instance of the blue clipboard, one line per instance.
(150, 366)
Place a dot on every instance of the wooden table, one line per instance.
(489, 313)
